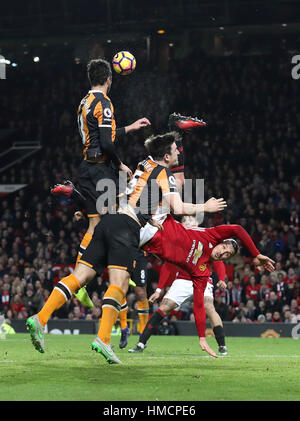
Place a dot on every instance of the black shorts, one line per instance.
(115, 244)
(140, 272)
(88, 176)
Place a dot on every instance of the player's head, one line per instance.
(99, 73)
(225, 250)
(163, 148)
(189, 221)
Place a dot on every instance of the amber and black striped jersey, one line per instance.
(97, 127)
(144, 193)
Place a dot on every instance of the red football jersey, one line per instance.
(190, 249)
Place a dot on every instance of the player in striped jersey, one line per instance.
(97, 128)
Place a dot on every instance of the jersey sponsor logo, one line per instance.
(202, 267)
(172, 179)
(198, 253)
(210, 245)
(191, 251)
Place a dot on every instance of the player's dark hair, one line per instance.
(98, 71)
(159, 145)
(233, 243)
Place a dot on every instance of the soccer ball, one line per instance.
(124, 63)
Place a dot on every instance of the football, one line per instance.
(124, 62)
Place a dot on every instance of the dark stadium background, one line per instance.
(228, 62)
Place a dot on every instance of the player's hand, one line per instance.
(78, 215)
(126, 169)
(138, 124)
(204, 346)
(264, 262)
(156, 224)
(221, 285)
(214, 205)
(154, 297)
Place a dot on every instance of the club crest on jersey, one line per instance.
(202, 267)
(198, 252)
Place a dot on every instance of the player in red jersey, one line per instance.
(192, 250)
(181, 291)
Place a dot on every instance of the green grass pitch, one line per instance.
(171, 369)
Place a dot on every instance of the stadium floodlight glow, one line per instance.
(284, 25)
(14, 64)
(36, 59)
(161, 31)
(171, 44)
(222, 28)
(108, 41)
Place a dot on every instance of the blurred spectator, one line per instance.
(167, 327)
(252, 289)
(276, 317)
(261, 318)
(273, 304)
(291, 277)
(269, 316)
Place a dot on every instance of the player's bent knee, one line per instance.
(119, 277)
(209, 308)
(141, 293)
(84, 273)
(167, 306)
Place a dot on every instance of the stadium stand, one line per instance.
(248, 154)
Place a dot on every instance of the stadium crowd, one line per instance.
(247, 154)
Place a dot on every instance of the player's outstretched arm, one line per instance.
(178, 207)
(227, 231)
(204, 346)
(264, 262)
(137, 125)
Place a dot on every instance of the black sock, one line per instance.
(151, 325)
(219, 335)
